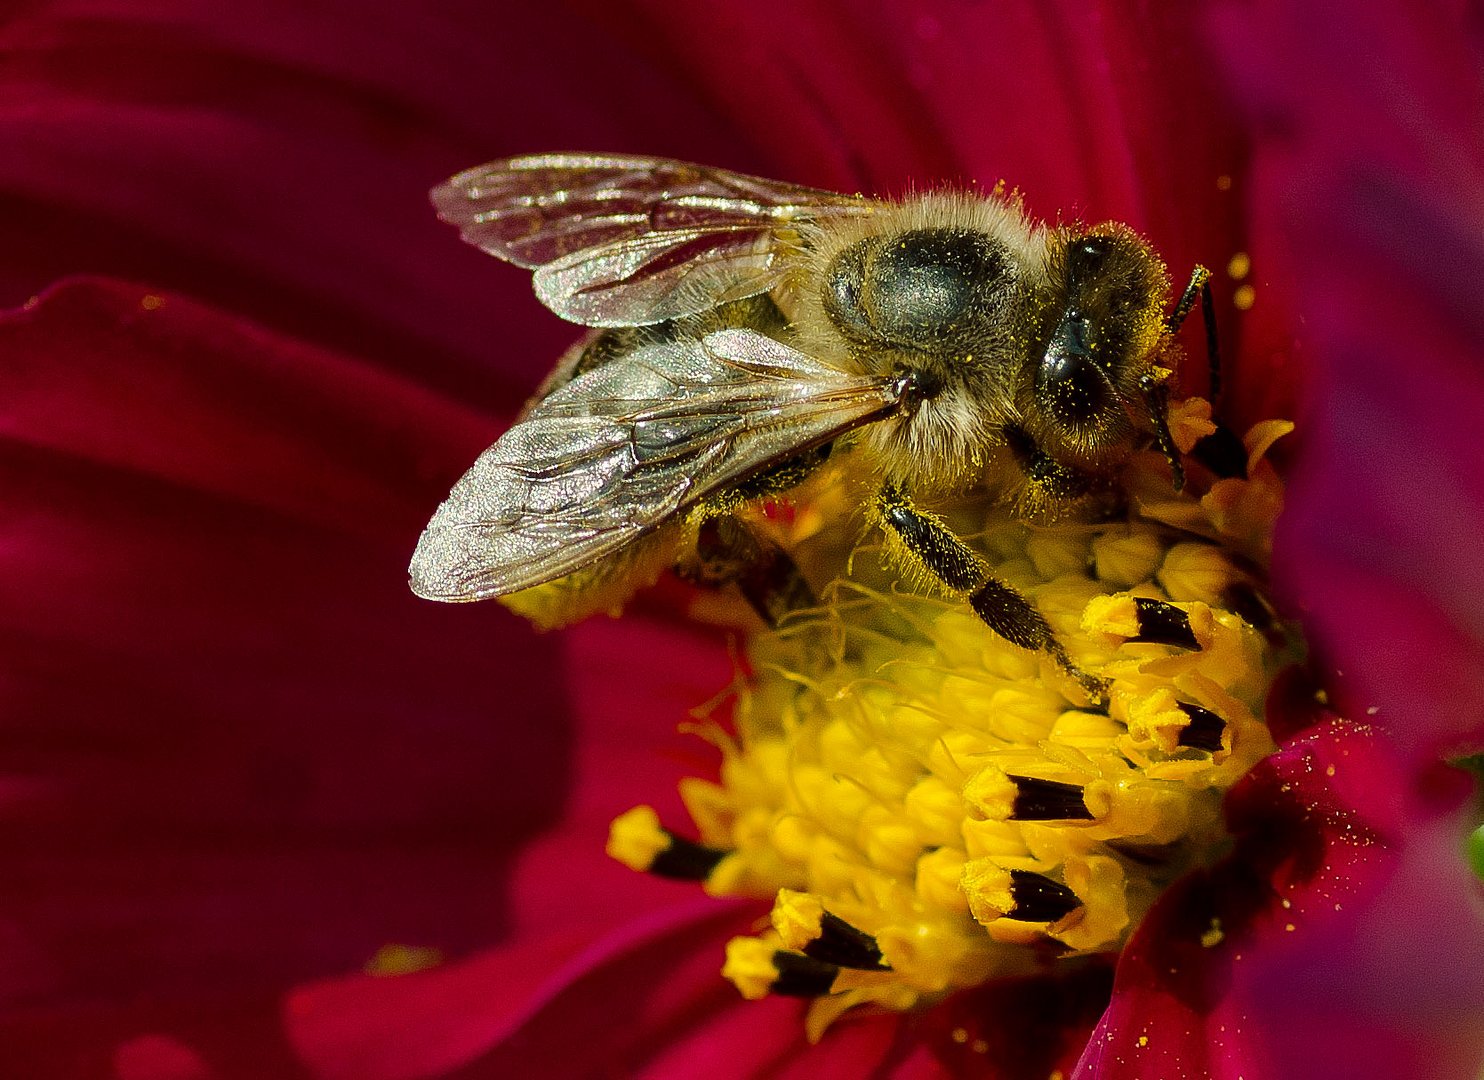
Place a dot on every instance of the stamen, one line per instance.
(637, 840)
(1163, 624)
(805, 926)
(1004, 796)
(1047, 800)
(1038, 898)
(1247, 602)
(1022, 895)
(1204, 730)
(1222, 452)
(1146, 620)
(802, 976)
(929, 806)
(759, 969)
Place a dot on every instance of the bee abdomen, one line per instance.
(602, 586)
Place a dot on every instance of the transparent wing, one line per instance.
(627, 446)
(626, 241)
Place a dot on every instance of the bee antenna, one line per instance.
(1200, 285)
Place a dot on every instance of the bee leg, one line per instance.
(728, 552)
(1049, 482)
(1200, 284)
(955, 566)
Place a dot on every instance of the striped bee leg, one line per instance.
(930, 545)
(728, 552)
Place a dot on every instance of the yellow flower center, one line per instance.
(929, 806)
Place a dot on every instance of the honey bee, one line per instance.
(746, 329)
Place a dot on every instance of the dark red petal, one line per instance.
(276, 160)
(551, 1006)
(121, 378)
(1344, 942)
(238, 753)
(1016, 1029)
(1373, 183)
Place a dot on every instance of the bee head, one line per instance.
(1100, 341)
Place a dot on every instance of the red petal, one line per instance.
(1343, 942)
(1373, 174)
(239, 753)
(276, 160)
(549, 1006)
(124, 379)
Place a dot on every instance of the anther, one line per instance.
(1047, 800)
(802, 976)
(1163, 624)
(842, 944)
(1001, 796)
(637, 840)
(1204, 730)
(1038, 898)
(685, 860)
(805, 926)
(758, 969)
(995, 893)
(1247, 602)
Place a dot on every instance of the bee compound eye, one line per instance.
(1093, 247)
(1069, 384)
(1085, 256)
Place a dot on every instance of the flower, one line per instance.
(243, 764)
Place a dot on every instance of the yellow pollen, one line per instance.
(1244, 297)
(928, 806)
(750, 967)
(635, 838)
(403, 959)
(1223, 183)
(797, 918)
(1239, 266)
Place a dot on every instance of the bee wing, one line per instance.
(617, 240)
(628, 446)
